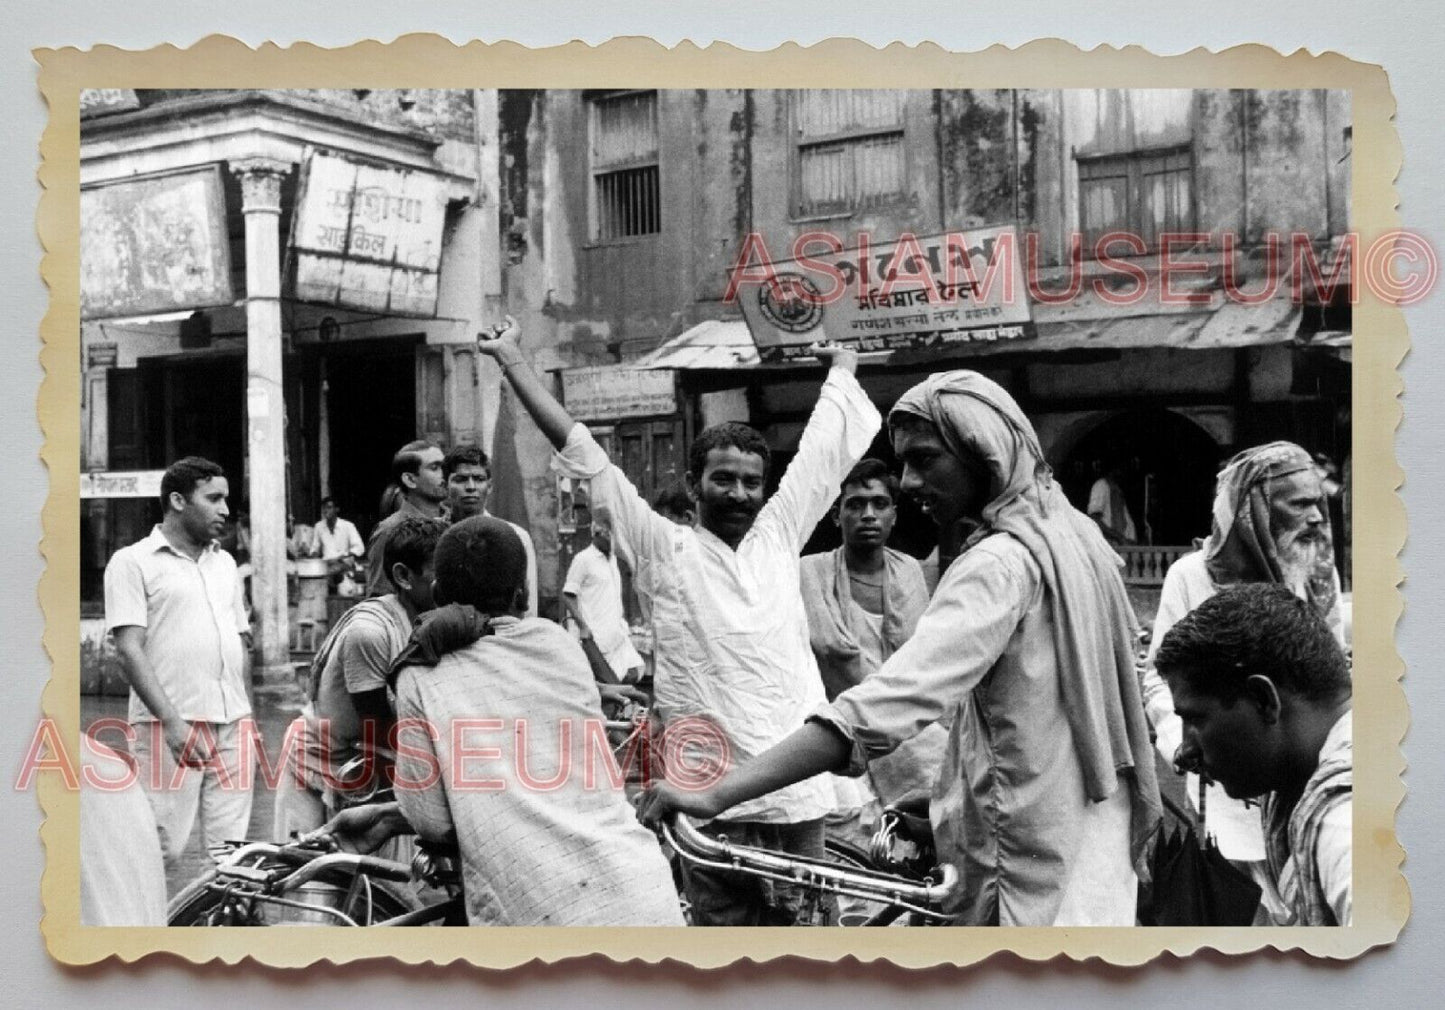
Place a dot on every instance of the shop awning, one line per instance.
(726, 344)
(1229, 325)
(711, 344)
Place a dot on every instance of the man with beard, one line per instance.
(468, 475)
(417, 470)
(1047, 800)
(1263, 691)
(732, 637)
(1270, 524)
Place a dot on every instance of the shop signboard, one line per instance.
(154, 244)
(368, 237)
(935, 292)
(121, 484)
(611, 393)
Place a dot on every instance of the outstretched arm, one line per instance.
(504, 347)
(812, 749)
(838, 433)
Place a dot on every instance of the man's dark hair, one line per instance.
(728, 435)
(481, 561)
(869, 470)
(408, 458)
(184, 474)
(673, 500)
(465, 455)
(328, 500)
(1256, 628)
(412, 542)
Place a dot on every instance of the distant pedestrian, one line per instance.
(592, 594)
(417, 470)
(468, 473)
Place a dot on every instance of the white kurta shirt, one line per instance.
(731, 635)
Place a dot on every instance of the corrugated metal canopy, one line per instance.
(711, 344)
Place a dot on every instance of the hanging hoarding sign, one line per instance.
(612, 394)
(938, 292)
(367, 237)
(155, 244)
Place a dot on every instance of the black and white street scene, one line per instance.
(716, 507)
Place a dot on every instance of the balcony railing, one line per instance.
(1145, 566)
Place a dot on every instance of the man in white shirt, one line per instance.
(174, 603)
(592, 595)
(1263, 691)
(1109, 509)
(338, 540)
(732, 636)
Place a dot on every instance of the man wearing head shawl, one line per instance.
(1270, 524)
(1046, 799)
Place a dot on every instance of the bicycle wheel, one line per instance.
(858, 911)
(200, 903)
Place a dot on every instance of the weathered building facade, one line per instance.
(627, 210)
(607, 223)
(194, 339)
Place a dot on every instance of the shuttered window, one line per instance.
(626, 191)
(850, 153)
(1144, 193)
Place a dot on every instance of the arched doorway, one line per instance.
(1168, 468)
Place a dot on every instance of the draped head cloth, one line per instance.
(1241, 546)
(1095, 632)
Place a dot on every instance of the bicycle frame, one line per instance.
(921, 897)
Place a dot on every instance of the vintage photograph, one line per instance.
(803, 507)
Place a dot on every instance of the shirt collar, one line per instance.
(157, 541)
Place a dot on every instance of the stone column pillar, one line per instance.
(265, 409)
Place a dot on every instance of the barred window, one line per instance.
(626, 194)
(850, 152)
(1144, 193)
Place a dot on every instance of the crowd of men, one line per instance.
(1010, 693)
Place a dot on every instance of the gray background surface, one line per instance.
(1405, 37)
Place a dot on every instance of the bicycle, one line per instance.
(309, 883)
(264, 884)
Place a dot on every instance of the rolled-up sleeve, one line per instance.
(980, 602)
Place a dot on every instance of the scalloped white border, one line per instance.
(1381, 897)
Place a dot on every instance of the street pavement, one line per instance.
(273, 709)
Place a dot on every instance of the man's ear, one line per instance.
(690, 484)
(400, 576)
(177, 501)
(408, 481)
(519, 598)
(1261, 692)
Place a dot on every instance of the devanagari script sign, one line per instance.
(367, 237)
